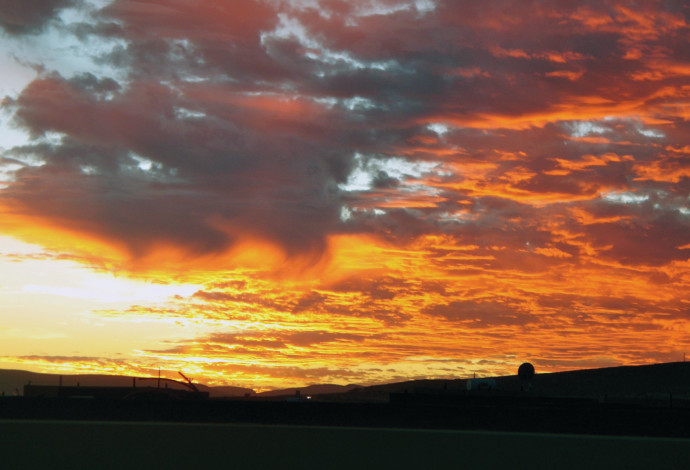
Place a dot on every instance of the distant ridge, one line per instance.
(12, 382)
(651, 380)
(621, 381)
(666, 378)
(319, 389)
(652, 400)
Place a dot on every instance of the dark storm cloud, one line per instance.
(242, 120)
(201, 170)
(217, 38)
(29, 16)
(478, 54)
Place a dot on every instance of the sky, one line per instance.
(272, 193)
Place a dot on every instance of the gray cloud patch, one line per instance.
(28, 16)
(205, 126)
(134, 169)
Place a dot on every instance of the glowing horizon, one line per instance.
(277, 193)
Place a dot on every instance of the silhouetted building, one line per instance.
(112, 393)
(481, 384)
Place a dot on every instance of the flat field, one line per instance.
(104, 445)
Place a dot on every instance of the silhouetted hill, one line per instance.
(311, 390)
(625, 382)
(228, 391)
(654, 381)
(649, 400)
(12, 382)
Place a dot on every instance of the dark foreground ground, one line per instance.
(411, 431)
(404, 411)
(29, 444)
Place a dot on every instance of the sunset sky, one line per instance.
(269, 193)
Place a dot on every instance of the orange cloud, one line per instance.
(363, 197)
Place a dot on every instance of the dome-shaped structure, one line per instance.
(526, 371)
